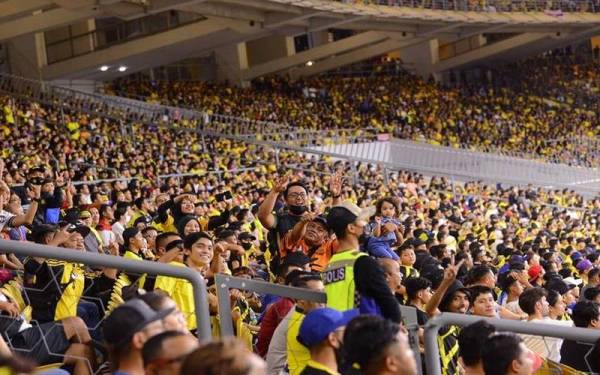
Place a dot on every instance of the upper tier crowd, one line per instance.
(534, 114)
(370, 242)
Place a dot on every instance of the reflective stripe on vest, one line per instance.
(339, 280)
(448, 345)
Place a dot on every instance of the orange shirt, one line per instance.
(319, 259)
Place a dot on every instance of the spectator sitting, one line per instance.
(586, 314)
(164, 353)
(505, 354)
(471, 340)
(227, 356)
(379, 347)
(386, 230)
(322, 332)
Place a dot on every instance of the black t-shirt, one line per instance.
(573, 354)
(422, 316)
(369, 279)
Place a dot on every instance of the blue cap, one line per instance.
(576, 255)
(319, 323)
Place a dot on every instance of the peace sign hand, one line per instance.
(451, 271)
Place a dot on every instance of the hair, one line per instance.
(384, 200)
(163, 237)
(529, 298)
(367, 337)
(499, 351)
(153, 348)
(192, 238)
(291, 185)
(218, 357)
(471, 341)
(476, 291)
(120, 212)
(552, 297)
(414, 285)
(154, 299)
(584, 312)
(477, 273)
(302, 278)
(594, 272)
(103, 208)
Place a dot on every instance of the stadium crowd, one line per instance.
(370, 242)
(519, 117)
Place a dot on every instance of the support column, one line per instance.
(422, 56)
(230, 61)
(318, 38)
(269, 48)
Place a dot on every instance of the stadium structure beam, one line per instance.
(348, 58)
(14, 8)
(45, 20)
(488, 51)
(317, 53)
(324, 24)
(274, 21)
(158, 49)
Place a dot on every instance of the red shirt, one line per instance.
(273, 316)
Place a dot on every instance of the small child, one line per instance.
(384, 235)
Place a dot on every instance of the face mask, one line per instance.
(246, 245)
(298, 210)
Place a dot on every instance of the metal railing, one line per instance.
(102, 260)
(360, 146)
(552, 7)
(432, 353)
(225, 282)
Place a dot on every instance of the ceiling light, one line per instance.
(122, 68)
(309, 63)
(104, 68)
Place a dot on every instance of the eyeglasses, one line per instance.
(297, 195)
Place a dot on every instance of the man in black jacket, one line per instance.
(586, 314)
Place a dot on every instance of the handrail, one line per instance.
(143, 266)
(432, 353)
(553, 7)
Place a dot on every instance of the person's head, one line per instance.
(77, 234)
(481, 275)
(347, 220)
(592, 294)
(106, 212)
(386, 207)
(198, 248)
(556, 304)
(227, 356)
(456, 299)
(160, 301)
(418, 289)
(187, 225)
(308, 280)
(512, 286)
(322, 330)
(378, 346)
(594, 276)
(317, 232)
(471, 340)
(150, 234)
(128, 328)
(407, 255)
(533, 301)
(164, 353)
(482, 301)
(392, 273)
(296, 198)
(504, 353)
(163, 239)
(586, 314)
(133, 239)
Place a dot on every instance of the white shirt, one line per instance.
(547, 347)
(277, 353)
(118, 230)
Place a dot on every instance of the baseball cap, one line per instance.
(559, 286)
(319, 323)
(534, 272)
(81, 229)
(584, 265)
(128, 319)
(346, 213)
(85, 214)
(38, 232)
(456, 286)
(296, 258)
(245, 236)
(576, 255)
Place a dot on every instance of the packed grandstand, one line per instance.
(89, 178)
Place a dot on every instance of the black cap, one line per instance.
(128, 319)
(297, 258)
(39, 231)
(245, 236)
(81, 229)
(456, 286)
(559, 286)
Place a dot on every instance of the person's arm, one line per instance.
(377, 227)
(27, 218)
(370, 281)
(299, 229)
(265, 211)
(335, 188)
(431, 308)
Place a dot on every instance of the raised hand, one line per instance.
(451, 271)
(281, 183)
(335, 184)
(308, 217)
